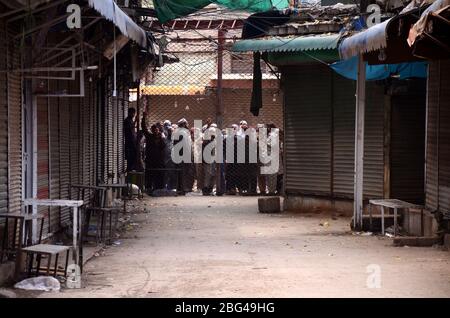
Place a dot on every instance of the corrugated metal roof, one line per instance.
(372, 39)
(286, 44)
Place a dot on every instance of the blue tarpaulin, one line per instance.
(349, 69)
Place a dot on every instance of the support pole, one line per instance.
(359, 143)
(220, 108)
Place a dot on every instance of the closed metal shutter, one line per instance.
(444, 139)
(308, 129)
(116, 104)
(86, 132)
(408, 146)
(3, 128)
(343, 136)
(14, 139)
(121, 141)
(74, 141)
(42, 157)
(431, 179)
(54, 143)
(374, 141)
(102, 148)
(109, 155)
(64, 152)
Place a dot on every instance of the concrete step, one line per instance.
(269, 205)
(421, 241)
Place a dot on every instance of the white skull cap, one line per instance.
(243, 122)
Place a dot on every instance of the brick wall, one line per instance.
(236, 104)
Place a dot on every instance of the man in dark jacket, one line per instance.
(129, 133)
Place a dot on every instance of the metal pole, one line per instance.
(359, 144)
(220, 108)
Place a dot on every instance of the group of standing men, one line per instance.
(150, 150)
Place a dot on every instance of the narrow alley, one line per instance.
(180, 248)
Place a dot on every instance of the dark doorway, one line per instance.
(408, 144)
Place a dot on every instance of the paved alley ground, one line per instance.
(222, 247)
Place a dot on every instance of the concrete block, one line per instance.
(430, 225)
(412, 222)
(417, 241)
(269, 205)
(307, 204)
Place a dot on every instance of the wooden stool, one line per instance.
(48, 250)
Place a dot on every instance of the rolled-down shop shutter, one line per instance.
(319, 139)
(431, 171)
(343, 136)
(444, 139)
(116, 104)
(15, 133)
(374, 141)
(64, 152)
(54, 156)
(308, 126)
(121, 117)
(42, 157)
(109, 133)
(3, 130)
(408, 145)
(74, 141)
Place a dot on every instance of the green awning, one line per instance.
(288, 44)
(167, 10)
(302, 57)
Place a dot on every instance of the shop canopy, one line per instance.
(384, 43)
(349, 69)
(286, 44)
(111, 11)
(167, 10)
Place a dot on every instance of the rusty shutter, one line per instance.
(444, 139)
(343, 136)
(408, 145)
(54, 156)
(308, 129)
(3, 127)
(374, 141)
(15, 135)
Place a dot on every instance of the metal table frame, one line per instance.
(394, 204)
(77, 226)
